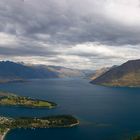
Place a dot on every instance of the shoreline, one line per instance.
(2, 136)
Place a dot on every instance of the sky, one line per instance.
(87, 34)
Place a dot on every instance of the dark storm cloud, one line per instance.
(22, 51)
(64, 22)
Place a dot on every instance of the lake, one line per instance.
(105, 113)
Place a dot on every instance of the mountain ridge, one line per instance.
(12, 70)
(127, 74)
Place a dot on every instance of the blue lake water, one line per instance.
(105, 113)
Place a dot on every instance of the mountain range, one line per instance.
(12, 71)
(127, 74)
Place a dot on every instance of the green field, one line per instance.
(14, 100)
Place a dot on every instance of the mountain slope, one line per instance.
(66, 72)
(98, 73)
(17, 71)
(128, 74)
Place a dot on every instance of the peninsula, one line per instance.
(8, 99)
(6, 124)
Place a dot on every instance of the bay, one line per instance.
(105, 113)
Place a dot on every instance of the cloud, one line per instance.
(83, 34)
(7, 39)
(125, 11)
